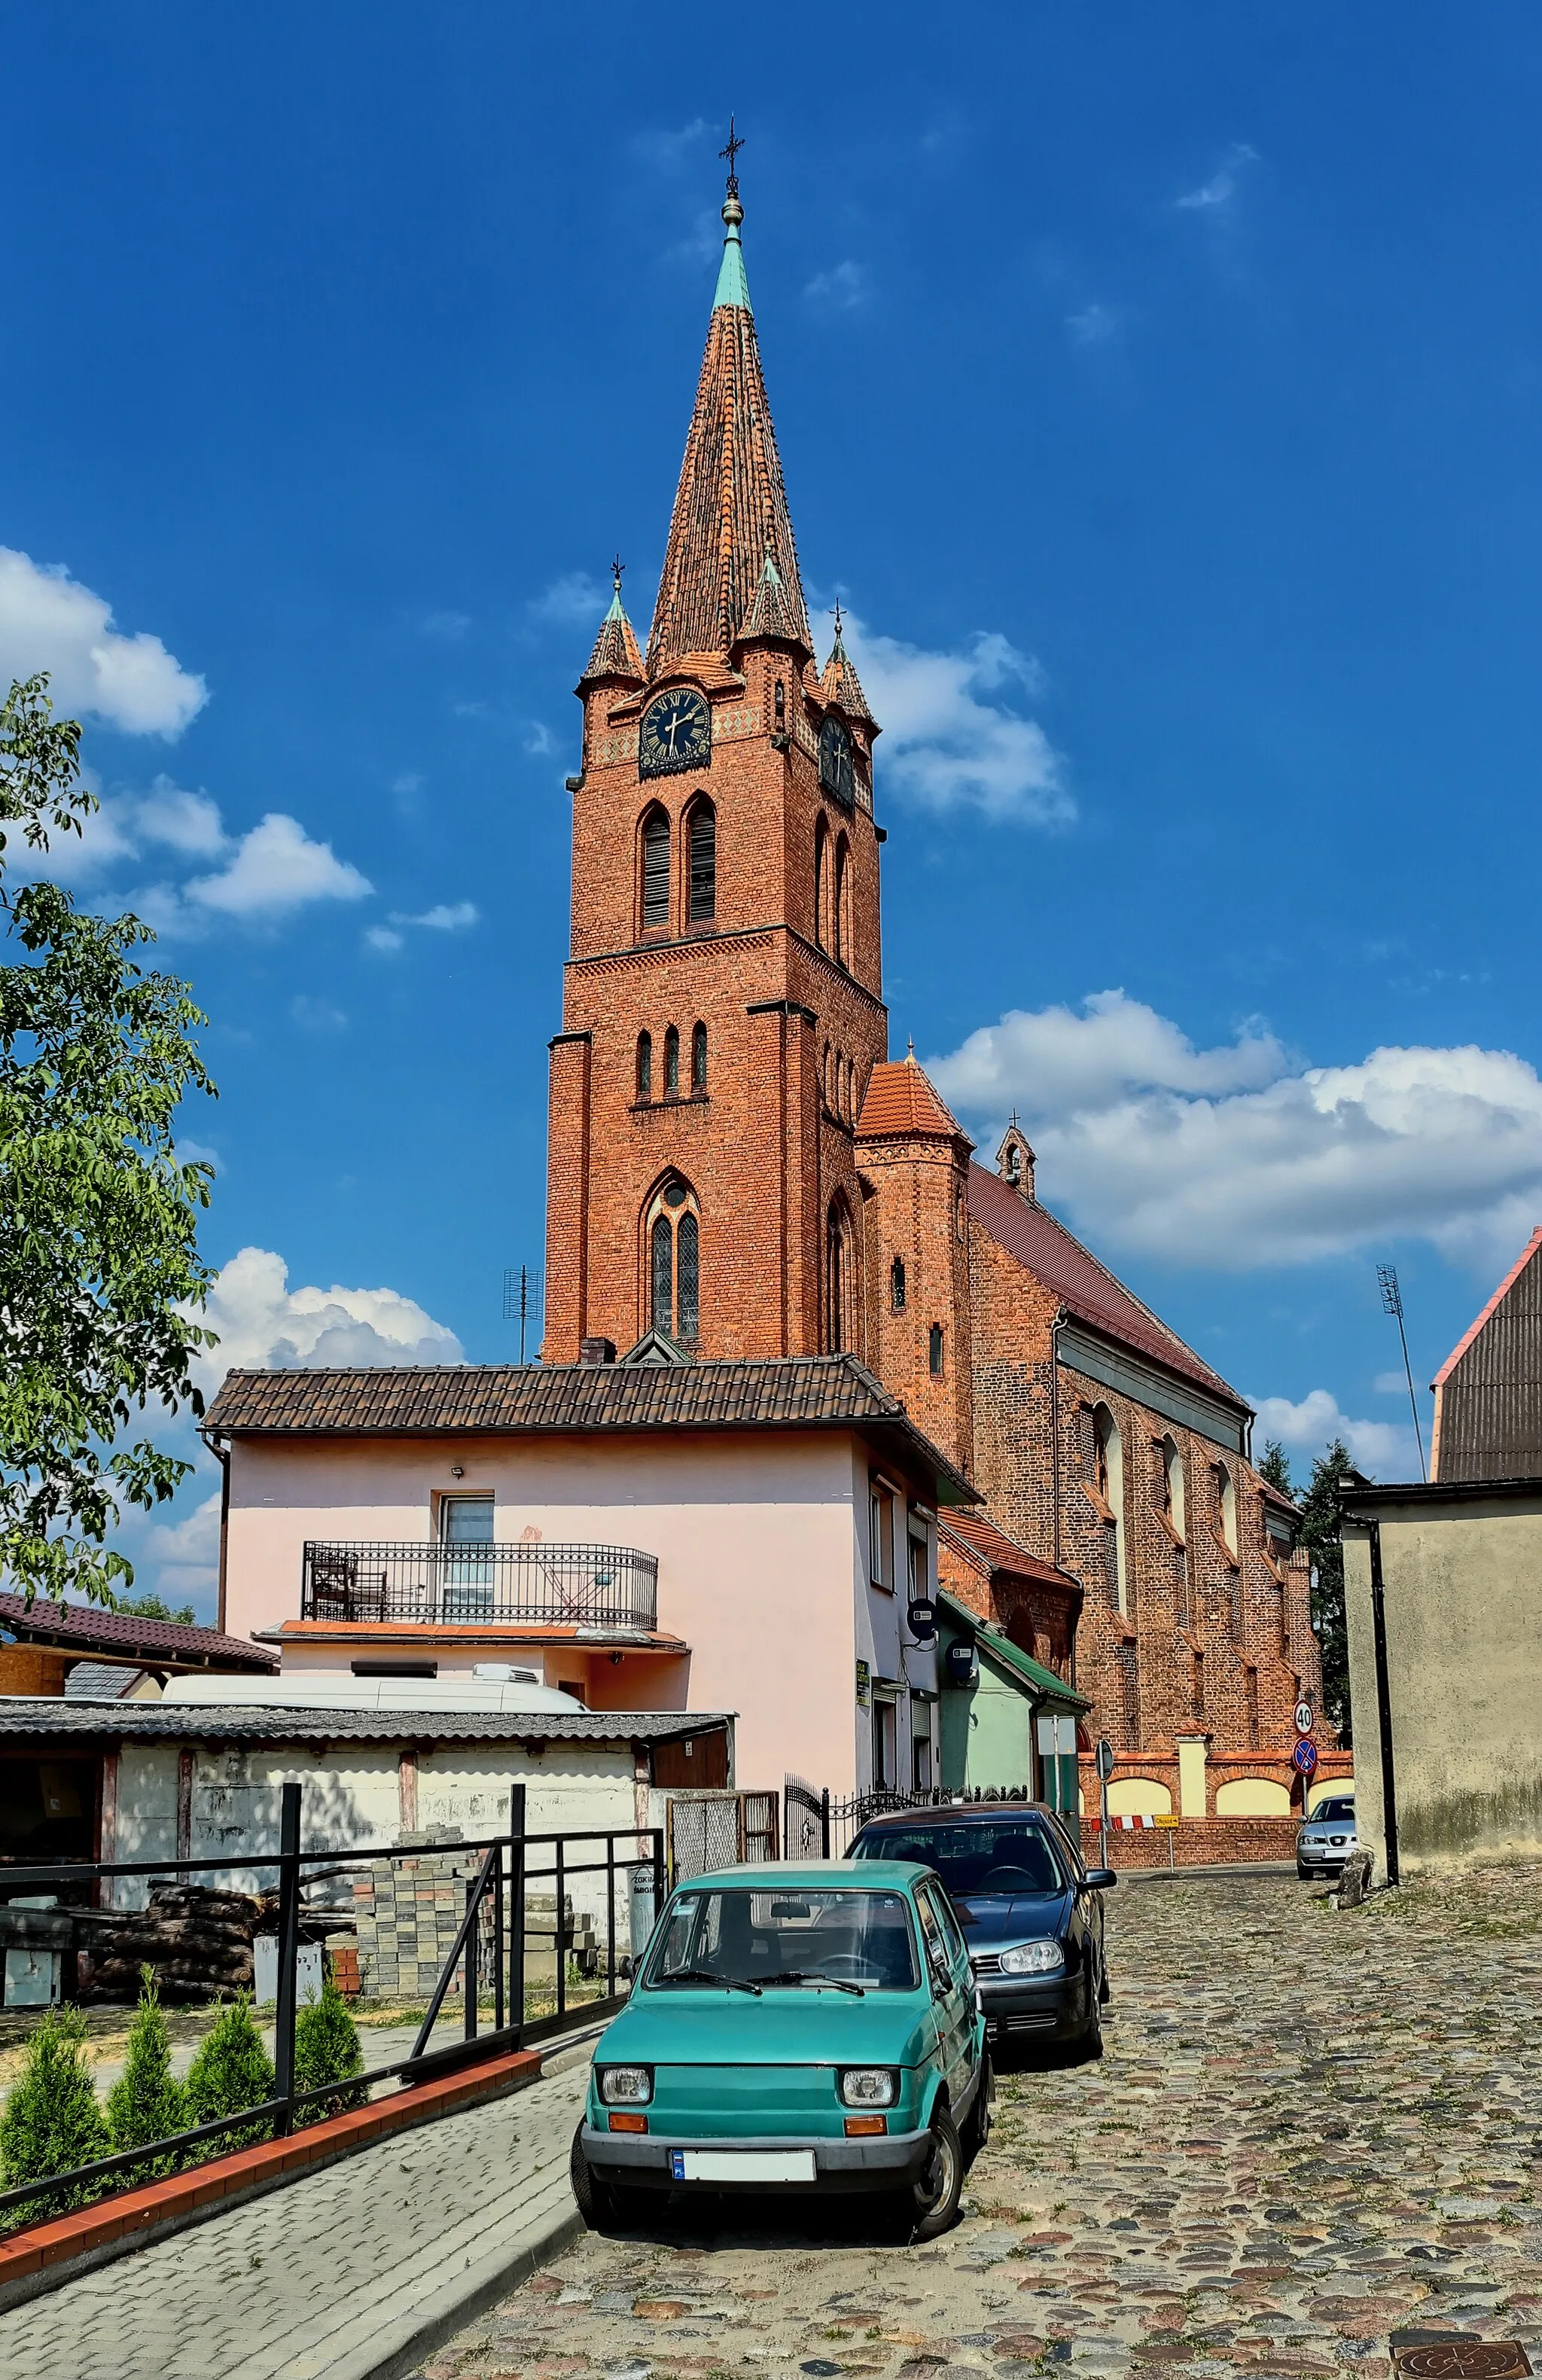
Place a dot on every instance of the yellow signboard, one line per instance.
(1165, 1818)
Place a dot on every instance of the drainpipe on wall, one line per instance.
(220, 1448)
(1383, 1707)
(1054, 1432)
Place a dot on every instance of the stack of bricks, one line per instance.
(409, 1911)
(343, 1959)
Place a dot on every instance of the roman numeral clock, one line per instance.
(676, 734)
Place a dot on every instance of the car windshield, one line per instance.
(1339, 1806)
(795, 1937)
(1006, 1856)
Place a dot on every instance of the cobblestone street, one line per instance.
(1311, 2131)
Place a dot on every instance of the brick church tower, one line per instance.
(723, 1004)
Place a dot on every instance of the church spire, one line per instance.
(616, 654)
(840, 687)
(729, 515)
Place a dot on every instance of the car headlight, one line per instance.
(625, 2086)
(1042, 1958)
(870, 2086)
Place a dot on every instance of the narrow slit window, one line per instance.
(703, 897)
(655, 869)
(699, 1059)
(896, 1286)
(672, 1064)
(934, 1350)
(645, 1065)
(662, 1316)
(687, 1256)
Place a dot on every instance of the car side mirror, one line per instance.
(1100, 1879)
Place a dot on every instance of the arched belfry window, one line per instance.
(698, 1058)
(672, 1064)
(672, 1244)
(821, 885)
(840, 1278)
(645, 1065)
(843, 902)
(702, 894)
(655, 868)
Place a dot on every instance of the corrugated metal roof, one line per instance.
(1489, 1390)
(786, 1393)
(40, 1716)
(1084, 1287)
(87, 1628)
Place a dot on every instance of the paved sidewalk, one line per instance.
(350, 2273)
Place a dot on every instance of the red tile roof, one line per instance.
(974, 1534)
(154, 1644)
(1086, 1288)
(899, 1100)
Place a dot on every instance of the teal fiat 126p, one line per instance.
(791, 2030)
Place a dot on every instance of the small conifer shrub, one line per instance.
(52, 2121)
(147, 2104)
(327, 2050)
(231, 2073)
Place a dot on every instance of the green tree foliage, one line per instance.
(231, 2073)
(100, 1278)
(1274, 1466)
(327, 2050)
(52, 2121)
(150, 1607)
(1320, 1535)
(147, 2102)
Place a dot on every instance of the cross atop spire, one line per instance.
(617, 567)
(732, 152)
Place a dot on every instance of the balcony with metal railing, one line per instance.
(598, 1588)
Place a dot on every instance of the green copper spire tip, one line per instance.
(618, 609)
(732, 288)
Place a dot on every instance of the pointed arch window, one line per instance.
(840, 1281)
(644, 1067)
(1109, 1456)
(843, 901)
(701, 897)
(1226, 1495)
(1172, 1487)
(672, 1064)
(698, 1060)
(655, 868)
(821, 885)
(672, 1241)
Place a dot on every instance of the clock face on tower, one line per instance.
(835, 774)
(676, 734)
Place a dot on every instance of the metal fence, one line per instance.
(604, 1587)
(708, 1831)
(487, 1962)
(818, 1825)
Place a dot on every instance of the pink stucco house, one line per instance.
(730, 1536)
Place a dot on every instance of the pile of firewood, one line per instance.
(197, 1943)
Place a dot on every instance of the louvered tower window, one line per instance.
(703, 900)
(655, 869)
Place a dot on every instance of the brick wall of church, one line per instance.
(916, 1215)
(1171, 1656)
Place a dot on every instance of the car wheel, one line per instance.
(933, 2200)
(602, 2205)
(1105, 1989)
(1304, 1874)
(976, 2124)
(1090, 2039)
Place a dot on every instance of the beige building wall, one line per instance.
(1463, 1594)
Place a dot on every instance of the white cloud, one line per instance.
(446, 627)
(382, 937)
(539, 739)
(275, 868)
(444, 918)
(1239, 1156)
(124, 827)
(1094, 326)
(841, 291)
(317, 1016)
(1381, 1449)
(48, 621)
(1221, 187)
(1391, 1384)
(668, 150)
(951, 740)
(569, 601)
(185, 1553)
(261, 1321)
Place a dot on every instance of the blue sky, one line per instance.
(1158, 388)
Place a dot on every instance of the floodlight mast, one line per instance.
(1392, 1303)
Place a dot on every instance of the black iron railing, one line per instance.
(590, 1587)
(486, 1963)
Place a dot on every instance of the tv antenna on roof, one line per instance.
(1392, 1303)
(521, 1299)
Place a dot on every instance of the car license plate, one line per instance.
(741, 2165)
